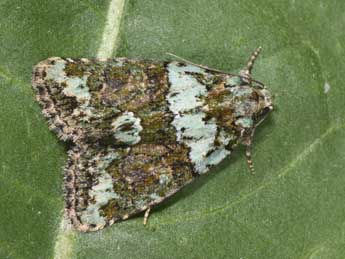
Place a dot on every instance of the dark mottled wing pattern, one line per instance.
(125, 155)
(140, 130)
(112, 184)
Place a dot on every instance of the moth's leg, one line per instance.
(249, 158)
(248, 153)
(146, 216)
(267, 112)
(249, 143)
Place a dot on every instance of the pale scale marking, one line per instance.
(57, 72)
(105, 50)
(100, 193)
(185, 104)
(75, 86)
(131, 136)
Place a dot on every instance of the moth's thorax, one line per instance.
(236, 108)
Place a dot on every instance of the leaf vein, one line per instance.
(211, 211)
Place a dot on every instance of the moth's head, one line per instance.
(261, 96)
(250, 104)
(264, 104)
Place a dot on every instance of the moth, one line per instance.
(140, 130)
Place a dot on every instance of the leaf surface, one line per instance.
(293, 206)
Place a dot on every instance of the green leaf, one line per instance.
(293, 206)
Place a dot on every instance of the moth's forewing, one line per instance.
(141, 130)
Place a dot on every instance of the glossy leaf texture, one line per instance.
(292, 208)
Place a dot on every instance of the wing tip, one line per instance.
(44, 98)
(39, 70)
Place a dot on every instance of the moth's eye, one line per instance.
(262, 114)
(266, 110)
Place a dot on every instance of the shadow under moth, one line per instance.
(140, 130)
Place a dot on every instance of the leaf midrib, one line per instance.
(309, 149)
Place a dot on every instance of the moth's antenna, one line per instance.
(245, 76)
(197, 65)
(248, 70)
